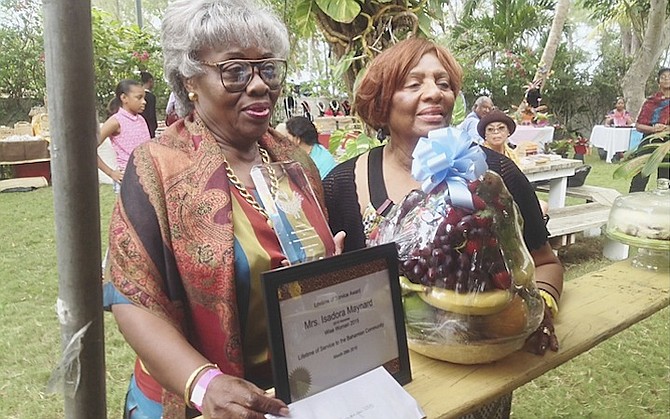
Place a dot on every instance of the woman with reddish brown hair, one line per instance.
(387, 101)
(388, 73)
(408, 91)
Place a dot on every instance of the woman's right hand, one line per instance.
(232, 397)
(117, 176)
(544, 337)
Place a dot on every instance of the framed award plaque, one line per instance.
(333, 319)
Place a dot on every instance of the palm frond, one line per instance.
(656, 158)
(646, 159)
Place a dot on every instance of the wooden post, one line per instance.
(68, 47)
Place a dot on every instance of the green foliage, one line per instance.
(459, 112)
(122, 52)
(567, 91)
(22, 73)
(559, 147)
(605, 84)
(635, 12)
(125, 11)
(343, 11)
(302, 18)
(345, 144)
(647, 158)
(498, 51)
(360, 30)
(578, 93)
(505, 82)
(511, 28)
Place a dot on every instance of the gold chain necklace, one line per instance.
(232, 177)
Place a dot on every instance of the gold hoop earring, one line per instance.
(192, 96)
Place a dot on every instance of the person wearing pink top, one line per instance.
(619, 116)
(125, 127)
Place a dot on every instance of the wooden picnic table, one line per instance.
(594, 307)
(557, 173)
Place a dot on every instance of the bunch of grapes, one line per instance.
(464, 254)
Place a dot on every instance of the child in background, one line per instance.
(619, 116)
(125, 127)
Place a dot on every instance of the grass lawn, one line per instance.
(627, 376)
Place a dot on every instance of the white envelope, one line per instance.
(373, 395)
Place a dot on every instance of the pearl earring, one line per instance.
(192, 96)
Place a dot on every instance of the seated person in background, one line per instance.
(496, 128)
(654, 119)
(302, 132)
(483, 105)
(619, 116)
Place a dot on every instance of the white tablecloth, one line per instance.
(610, 139)
(539, 135)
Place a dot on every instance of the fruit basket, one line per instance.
(469, 294)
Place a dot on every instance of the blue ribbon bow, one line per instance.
(448, 155)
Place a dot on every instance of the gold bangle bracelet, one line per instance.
(550, 301)
(191, 380)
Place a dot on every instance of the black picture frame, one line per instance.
(369, 266)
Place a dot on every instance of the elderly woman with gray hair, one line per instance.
(188, 238)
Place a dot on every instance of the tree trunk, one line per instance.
(656, 40)
(626, 38)
(553, 41)
(635, 44)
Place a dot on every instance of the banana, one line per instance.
(475, 303)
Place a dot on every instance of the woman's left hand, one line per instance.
(339, 242)
(339, 246)
(544, 337)
(232, 397)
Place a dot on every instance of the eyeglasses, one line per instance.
(493, 130)
(665, 76)
(237, 74)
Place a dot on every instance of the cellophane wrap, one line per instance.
(469, 294)
(294, 211)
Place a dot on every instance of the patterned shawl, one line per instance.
(171, 239)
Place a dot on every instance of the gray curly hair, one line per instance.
(191, 25)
